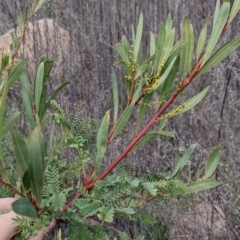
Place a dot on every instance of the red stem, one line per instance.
(184, 83)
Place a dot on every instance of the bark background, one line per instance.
(79, 35)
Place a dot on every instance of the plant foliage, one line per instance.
(49, 186)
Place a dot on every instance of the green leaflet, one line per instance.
(202, 40)
(225, 50)
(123, 120)
(212, 163)
(24, 207)
(36, 162)
(9, 122)
(138, 38)
(102, 136)
(182, 161)
(187, 53)
(115, 96)
(201, 185)
(188, 104)
(15, 73)
(217, 30)
(21, 152)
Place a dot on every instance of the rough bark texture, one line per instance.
(80, 35)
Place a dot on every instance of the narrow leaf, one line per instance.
(21, 152)
(123, 120)
(235, 7)
(102, 139)
(28, 107)
(182, 161)
(187, 53)
(38, 85)
(115, 95)
(201, 185)
(217, 30)
(15, 73)
(202, 40)
(39, 4)
(122, 52)
(9, 122)
(143, 109)
(189, 103)
(136, 46)
(219, 55)
(152, 44)
(212, 163)
(144, 140)
(36, 162)
(167, 133)
(59, 89)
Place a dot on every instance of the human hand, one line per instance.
(7, 228)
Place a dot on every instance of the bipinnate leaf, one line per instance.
(9, 122)
(217, 29)
(15, 73)
(102, 136)
(21, 152)
(138, 38)
(36, 162)
(212, 163)
(38, 85)
(123, 120)
(115, 95)
(24, 207)
(225, 50)
(201, 185)
(182, 161)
